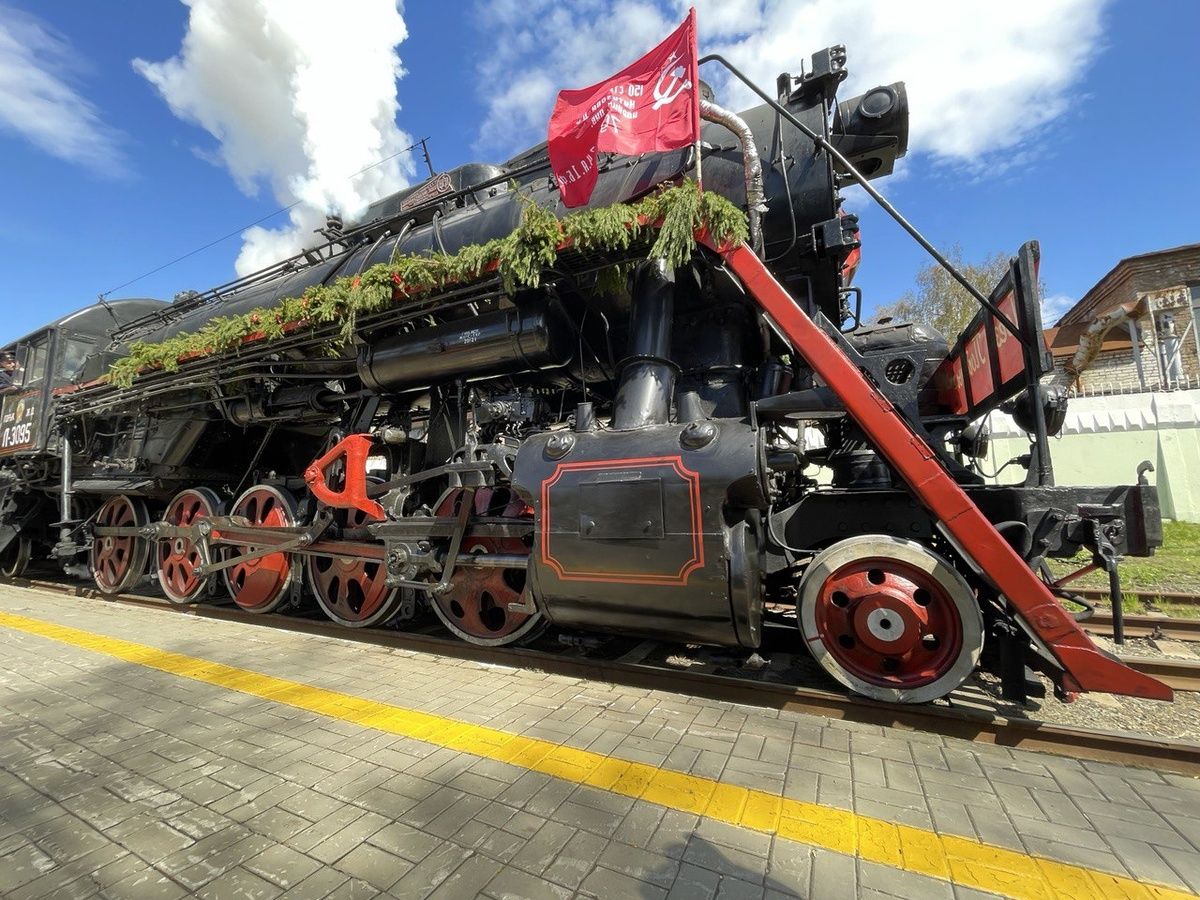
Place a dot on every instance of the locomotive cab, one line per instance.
(24, 391)
(34, 372)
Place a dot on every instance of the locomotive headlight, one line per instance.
(973, 440)
(871, 130)
(1053, 400)
(878, 102)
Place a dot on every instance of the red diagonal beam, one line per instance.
(1087, 668)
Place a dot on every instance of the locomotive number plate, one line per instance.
(19, 421)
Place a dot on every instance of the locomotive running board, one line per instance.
(1086, 667)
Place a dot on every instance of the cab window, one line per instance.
(31, 364)
(72, 353)
(8, 369)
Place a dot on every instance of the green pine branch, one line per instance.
(521, 257)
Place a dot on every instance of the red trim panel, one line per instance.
(1087, 668)
(671, 574)
(986, 366)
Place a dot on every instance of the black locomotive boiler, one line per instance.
(693, 452)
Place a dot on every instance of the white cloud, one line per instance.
(982, 78)
(37, 101)
(299, 94)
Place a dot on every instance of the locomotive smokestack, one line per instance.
(647, 375)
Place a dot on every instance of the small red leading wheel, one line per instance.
(476, 607)
(350, 590)
(261, 585)
(119, 561)
(176, 558)
(890, 619)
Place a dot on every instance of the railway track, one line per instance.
(961, 719)
(1144, 595)
(1145, 626)
(1180, 674)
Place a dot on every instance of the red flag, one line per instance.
(651, 105)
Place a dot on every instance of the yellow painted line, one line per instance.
(961, 860)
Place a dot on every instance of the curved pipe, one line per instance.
(756, 202)
(1091, 340)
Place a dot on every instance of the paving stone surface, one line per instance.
(122, 781)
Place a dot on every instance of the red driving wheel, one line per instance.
(351, 590)
(119, 560)
(178, 557)
(261, 585)
(890, 619)
(476, 608)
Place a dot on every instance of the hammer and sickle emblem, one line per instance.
(673, 88)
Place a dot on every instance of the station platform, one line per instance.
(148, 754)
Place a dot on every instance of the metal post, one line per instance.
(1118, 612)
(67, 487)
(1137, 353)
(1156, 349)
(1025, 285)
(428, 161)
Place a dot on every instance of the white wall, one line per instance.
(1105, 438)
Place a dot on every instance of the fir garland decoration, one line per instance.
(678, 211)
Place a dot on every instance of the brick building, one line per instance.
(1160, 349)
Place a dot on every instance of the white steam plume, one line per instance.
(299, 93)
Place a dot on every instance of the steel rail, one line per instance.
(1180, 674)
(964, 723)
(1144, 595)
(1147, 626)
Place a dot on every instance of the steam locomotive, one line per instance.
(693, 453)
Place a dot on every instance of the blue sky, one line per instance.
(1108, 171)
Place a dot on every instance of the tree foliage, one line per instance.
(940, 301)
